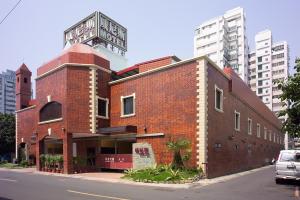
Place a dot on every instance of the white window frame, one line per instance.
(221, 99)
(258, 130)
(237, 128)
(122, 105)
(249, 130)
(265, 133)
(107, 104)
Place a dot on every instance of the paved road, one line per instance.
(28, 186)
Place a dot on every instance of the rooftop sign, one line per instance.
(100, 28)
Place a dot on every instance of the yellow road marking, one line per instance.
(96, 195)
(6, 179)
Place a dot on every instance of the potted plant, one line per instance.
(60, 163)
(52, 163)
(42, 161)
(83, 164)
(47, 162)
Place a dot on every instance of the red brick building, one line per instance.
(83, 108)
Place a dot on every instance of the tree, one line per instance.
(7, 133)
(291, 99)
(180, 146)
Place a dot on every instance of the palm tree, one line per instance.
(179, 146)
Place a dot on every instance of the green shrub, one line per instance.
(43, 160)
(24, 163)
(3, 162)
(162, 173)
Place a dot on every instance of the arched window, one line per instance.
(50, 111)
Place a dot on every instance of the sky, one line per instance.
(33, 32)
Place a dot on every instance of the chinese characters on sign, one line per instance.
(143, 152)
(115, 161)
(82, 32)
(142, 155)
(98, 27)
(113, 32)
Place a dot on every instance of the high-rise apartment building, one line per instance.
(268, 64)
(7, 92)
(223, 39)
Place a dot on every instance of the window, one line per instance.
(102, 107)
(25, 80)
(258, 130)
(259, 90)
(218, 99)
(270, 136)
(259, 67)
(259, 59)
(287, 156)
(260, 83)
(265, 133)
(237, 117)
(259, 75)
(51, 111)
(249, 126)
(128, 105)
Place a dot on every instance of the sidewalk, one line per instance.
(116, 178)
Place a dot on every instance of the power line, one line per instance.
(10, 11)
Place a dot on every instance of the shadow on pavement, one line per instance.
(3, 198)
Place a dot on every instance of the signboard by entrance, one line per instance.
(142, 155)
(116, 161)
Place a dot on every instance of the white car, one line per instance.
(288, 165)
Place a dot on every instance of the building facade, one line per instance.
(7, 92)
(268, 64)
(118, 119)
(223, 39)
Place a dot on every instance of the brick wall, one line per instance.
(165, 103)
(77, 100)
(26, 126)
(55, 86)
(104, 92)
(251, 151)
(146, 66)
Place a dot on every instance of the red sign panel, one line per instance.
(116, 161)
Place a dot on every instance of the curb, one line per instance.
(221, 179)
(120, 181)
(201, 183)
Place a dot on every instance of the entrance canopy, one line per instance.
(117, 130)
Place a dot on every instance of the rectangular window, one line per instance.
(259, 67)
(259, 59)
(218, 99)
(249, 126)
(237, 117)
(259, 90)
(265, 133)
(259, 75)
(258, 130)
(102, 107)
(270, 136)
(128, 105)
(260, 83)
